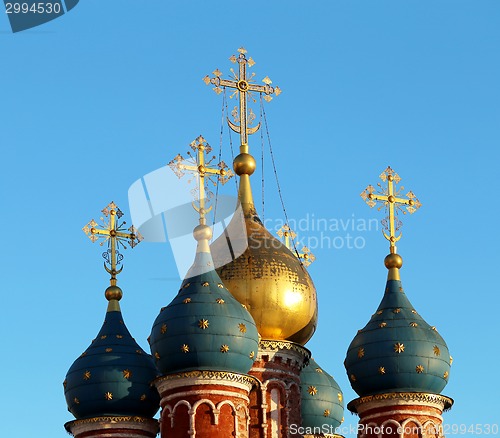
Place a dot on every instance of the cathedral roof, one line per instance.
(397, 351)
(322, 402)
(204, 327)
(113, 376)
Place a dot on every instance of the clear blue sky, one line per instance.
(98, 98)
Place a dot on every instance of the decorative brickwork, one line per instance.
(400, 415)
(113, 427)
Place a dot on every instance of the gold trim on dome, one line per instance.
(210, 375)
(268, 344)
(108, 420)
(417, 397)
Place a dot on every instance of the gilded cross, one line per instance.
(200, 167)
(390, 198)
(113, 232)
(288, 235)
(243, 86)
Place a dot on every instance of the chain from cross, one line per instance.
(390, 198)
(200, 167)
(243, 87)
(288, 236)
(115, 234)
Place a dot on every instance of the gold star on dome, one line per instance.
(219, 301)
(352, 377)
(413, 311)
(382, 324)
(138, 351)
(326, 412)
(381, 370)
(185, 348)
(108, 396)
(242, 327)
(243, 306)
(434, 328)
(437, 351)
(446, 374)
(65, 383)
(399, 347)
(340, 397)
(163, 329)
(319, 370)
(419, 369)
(380, 312)
(312, 390)
(157, 355)
(397, 310)
(224, 348)
(220, 285)
(203, 324)
(361, 352)
(205, 284)
(186, 285)
(127, 374)
(413, 324)
(451, 360)
(251, 355)
(109, 350)
(76, 401)
(119, 336)
(86, 375)
(186, 300)
(104, 336)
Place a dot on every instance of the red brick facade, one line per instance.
(400, 415)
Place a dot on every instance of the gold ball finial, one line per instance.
(113, 293)
(393, 261)
(202, 232)
(244, 164)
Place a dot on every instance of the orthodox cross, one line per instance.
(200, 167)
(288, 236)
(390, 198)
(243, 87)
(114, 233)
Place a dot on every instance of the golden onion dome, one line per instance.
(267, 277)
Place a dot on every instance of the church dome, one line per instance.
(397, 351)
(322, 402)
(204, 327)
(113, 376)
(267, 277)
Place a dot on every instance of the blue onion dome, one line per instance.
(204, 327)
(113, 376)
(322, 401)
(397, 351)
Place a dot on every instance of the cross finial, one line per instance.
(288, 235)
(243, 87)
(200, 167)
(114, 233)
(389, 197)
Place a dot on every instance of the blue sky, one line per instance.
(102, 96)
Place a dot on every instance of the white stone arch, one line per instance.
(435, 427)
(235, 411)
(172, 413)
(215, 411)
(414, 420)
(371, 425)
(391, 422)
